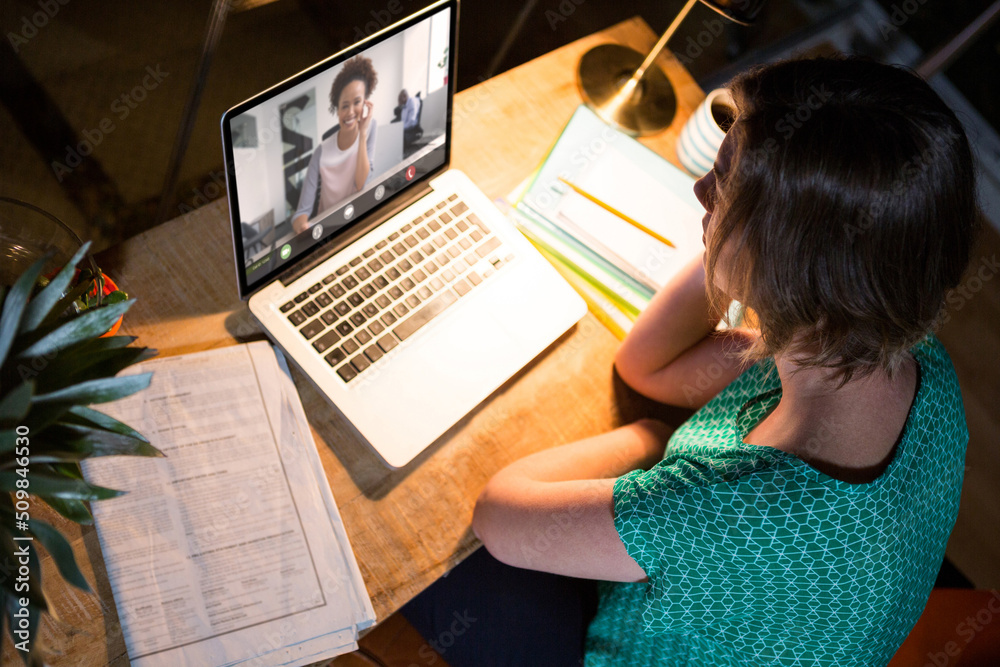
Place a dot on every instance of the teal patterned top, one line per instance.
(756, 558)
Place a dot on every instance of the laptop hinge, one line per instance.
(349, 237)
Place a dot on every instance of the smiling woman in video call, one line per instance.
(341, 165)
(800, 516)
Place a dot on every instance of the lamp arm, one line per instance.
(663, 40)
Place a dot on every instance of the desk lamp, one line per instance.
(634, 94)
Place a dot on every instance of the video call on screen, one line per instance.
(296, 154)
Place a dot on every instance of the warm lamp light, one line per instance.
(632, 93)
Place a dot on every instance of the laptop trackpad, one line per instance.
(450, 369)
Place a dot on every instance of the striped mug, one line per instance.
(703, 133)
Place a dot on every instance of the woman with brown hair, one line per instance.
(342, 163)
(800, 516)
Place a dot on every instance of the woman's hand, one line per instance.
(366, 119)
(300, 223)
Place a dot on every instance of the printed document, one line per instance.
(231, 549)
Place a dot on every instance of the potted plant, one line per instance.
(103, 292)
(55, 361)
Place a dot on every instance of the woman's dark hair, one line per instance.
(850, 208)
(357, 68)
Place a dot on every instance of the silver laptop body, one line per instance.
(411, 300)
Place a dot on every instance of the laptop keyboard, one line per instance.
(387, 293)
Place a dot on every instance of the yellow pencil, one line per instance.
(635, 223)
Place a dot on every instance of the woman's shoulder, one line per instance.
(938, 406)
(935, 362)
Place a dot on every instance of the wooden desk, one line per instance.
(410, 526)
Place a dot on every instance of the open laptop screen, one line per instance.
(298, 170)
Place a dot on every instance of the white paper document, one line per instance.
(617, 181)
(230, 550)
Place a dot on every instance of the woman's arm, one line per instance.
(672, 354)
(554, 511)
(307, 198)
(364, 163)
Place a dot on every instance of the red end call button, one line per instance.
(411, 171)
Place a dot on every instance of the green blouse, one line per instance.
(756, 558)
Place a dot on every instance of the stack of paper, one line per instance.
(231, 549)
(612, 263)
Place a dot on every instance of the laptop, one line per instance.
(400, 290)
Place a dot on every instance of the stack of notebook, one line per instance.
(614, 218)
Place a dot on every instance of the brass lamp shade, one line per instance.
(629, 91)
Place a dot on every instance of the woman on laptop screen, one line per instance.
(342, 163)
(802, 513)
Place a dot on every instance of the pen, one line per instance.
(635, 223)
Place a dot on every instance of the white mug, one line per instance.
(703, 132)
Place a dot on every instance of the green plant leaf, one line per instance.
(13, 305)
(70, 470)
(60, 487)
(61, 552)
(64, 303)
(35, 366)
(113, 342)
(115, 297)
(50, 452)
(88, 325)
(43, 415)
(79, 414)
(86, 361)
(54, 456)
(44, 301)
(7, 441)
(70, 312)
(97, 391)
(74, 510)
(94, 442)
(15, 405)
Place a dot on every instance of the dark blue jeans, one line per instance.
(485, 613)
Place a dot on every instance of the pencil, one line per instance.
(610, 209)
